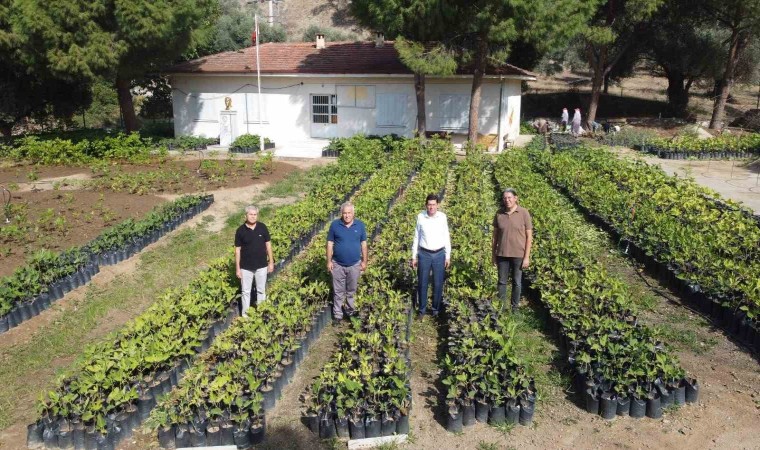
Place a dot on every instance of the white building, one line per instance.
(313, 92)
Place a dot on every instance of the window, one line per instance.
(354, 96)
(392, 110)
(454, 111)
(324, 108)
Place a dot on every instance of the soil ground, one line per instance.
(57, 219)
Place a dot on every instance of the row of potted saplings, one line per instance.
(591, 312)
(357, 396)
(79, 411)
(484, 378)
(364, 391)
(276, 337)
(479, 389)
(724, 146)
(242, 422)
(85, 262)
(729, 309)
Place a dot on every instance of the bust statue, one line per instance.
(227, 103)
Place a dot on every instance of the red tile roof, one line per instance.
(304, 57)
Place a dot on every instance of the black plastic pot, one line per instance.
(525, 412)
(181, 436)
(197, 437)
(608, 408)
(34, 435)
(402, 424)
(372, 427)
(4, 324)
(496, 415)
(654, 407)
(226, 432)
(638, 408)
(591, 401)
(679, 394)
(692, 390)
(454, 420)
(77, 436)
(341, 427)
(268, 398)
(623, 406)
(327, 427)
(65, 440)
(312, 422)
(356, 429)
(481, 411)
(50, 437)
(241, 435)
(256, 434)
(666, 398)
(214, 435)
(388, 425)
(166, 437)
(468, 415)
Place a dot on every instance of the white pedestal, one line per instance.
(227, 128)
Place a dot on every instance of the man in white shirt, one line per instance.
(431, 252)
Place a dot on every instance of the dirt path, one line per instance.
(732, 179)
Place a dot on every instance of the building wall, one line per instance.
(365, 105)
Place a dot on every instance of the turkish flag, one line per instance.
(253, 38)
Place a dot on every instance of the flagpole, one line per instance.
(258, 83)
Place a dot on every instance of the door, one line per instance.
(324, 116)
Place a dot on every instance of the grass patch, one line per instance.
(685, 337)
(539, 355)
(483, 445)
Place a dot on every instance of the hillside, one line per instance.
(297, 15)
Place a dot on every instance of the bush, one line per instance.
(53, 151)
(249, 141)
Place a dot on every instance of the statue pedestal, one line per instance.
(227, 128)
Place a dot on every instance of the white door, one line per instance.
(324, 116)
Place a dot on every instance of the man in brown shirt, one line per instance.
(512, 240)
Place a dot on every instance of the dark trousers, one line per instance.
(510, 267)
(428, 262)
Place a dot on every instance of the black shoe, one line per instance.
(336, 322)
(420, 315)
(434, 313)
(515, 309)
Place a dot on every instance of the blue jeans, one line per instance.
(427, 262)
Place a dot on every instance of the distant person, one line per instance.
(253, 257)
(431, 251)
(511, 245)
(541, 126)
(346, 259)
(576, 129)
(565, 119)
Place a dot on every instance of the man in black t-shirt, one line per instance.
(253, 257)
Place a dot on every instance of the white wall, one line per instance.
(286, 105)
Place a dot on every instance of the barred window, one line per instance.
(324, 108)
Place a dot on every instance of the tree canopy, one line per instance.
(118, 40)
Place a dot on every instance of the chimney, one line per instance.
(379, 39)
(320, 40)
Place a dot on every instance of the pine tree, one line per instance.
(81, 39)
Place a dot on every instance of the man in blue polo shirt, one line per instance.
(346, 258)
